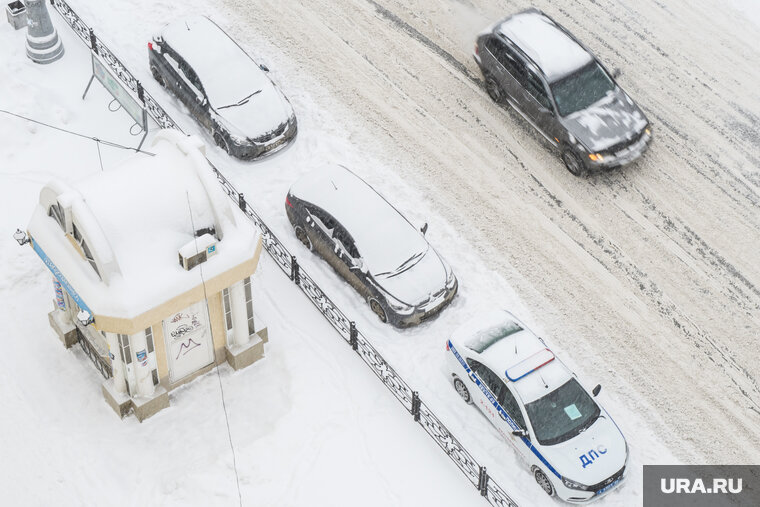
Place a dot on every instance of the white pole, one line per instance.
(117, 365)
(142, 369)
(239, 314)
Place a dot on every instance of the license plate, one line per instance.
(608, 487)
(274, 145)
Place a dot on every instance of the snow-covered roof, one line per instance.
(512, 351)
(228, 76)
(555, 53)
(135, 218)
(384, 238)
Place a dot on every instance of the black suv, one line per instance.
(226, 91)
(556, 84)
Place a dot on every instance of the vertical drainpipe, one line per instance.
(239, 314)
(117, 365)
(143, 373)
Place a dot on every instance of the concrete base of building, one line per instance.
(119, 402)
(150, 405)
(66, 331)
(241, 356)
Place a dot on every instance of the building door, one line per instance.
(188, 341)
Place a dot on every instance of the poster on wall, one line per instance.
(188, 341)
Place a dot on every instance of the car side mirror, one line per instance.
(424, 228)
(263, 67)
(616, 72)
(596, 390)
(520, 433)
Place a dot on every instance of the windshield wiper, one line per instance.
(403, 267)
(242, 101)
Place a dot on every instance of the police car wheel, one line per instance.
(157, 76)
(462, 390)
(544, 482)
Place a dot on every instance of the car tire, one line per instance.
(221, 142)
(494, 90)
(572, 162)
(462, 390)
(543, 481)
(303, 237)
(157, 76)
(378, 310)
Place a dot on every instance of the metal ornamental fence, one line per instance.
(346, 328)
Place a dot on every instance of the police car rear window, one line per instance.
(485, 338)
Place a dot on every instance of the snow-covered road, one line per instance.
(644, 279)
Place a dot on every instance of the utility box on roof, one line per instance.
(16, 12)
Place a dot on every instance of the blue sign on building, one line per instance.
(59, 276)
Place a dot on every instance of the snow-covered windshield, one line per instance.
(581, 89)
(562, 414)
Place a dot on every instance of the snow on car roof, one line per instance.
(228, 75)
(556, 53)
(383, 237)
(518, 356)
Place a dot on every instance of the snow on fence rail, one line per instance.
(346, 328)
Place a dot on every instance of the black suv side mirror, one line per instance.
(424, 228)
(596, 390)
(263, 67)
(616, 72)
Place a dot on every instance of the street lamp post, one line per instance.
(42, 42)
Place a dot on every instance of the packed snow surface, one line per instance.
(643, 279)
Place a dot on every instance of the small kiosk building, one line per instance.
(152, 266)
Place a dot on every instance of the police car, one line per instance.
(571, 444)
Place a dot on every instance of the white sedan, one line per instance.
(571, 444)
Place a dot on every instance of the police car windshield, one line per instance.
(581, 89)
(562, 414)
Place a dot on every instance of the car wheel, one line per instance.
(378, 309)
(462, 390)
(221, 142)
(303, 237)
(157, 76)
(572, 162)
(544, 482)
(494, 90)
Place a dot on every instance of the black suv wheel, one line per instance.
(572, 162)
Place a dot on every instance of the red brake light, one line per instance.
(150, 46)
(447, 345)
(287, 201)
(477, 51)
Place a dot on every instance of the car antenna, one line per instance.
(188, 26)
(544, 381)
(333, 183)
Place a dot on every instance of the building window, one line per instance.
(155, 377)
(56, 212)
(85, 249)
(248, 307)
(249, 304)
(126, 356)
(149, 338)
(227, 309)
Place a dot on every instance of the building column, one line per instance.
(117, 365)
(143, 373)
(239, 314)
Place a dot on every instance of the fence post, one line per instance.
(241, 201)
(93, 41)
(416, 406)
(353, 336)
(140, 92)
(295, 274)
(483, 481)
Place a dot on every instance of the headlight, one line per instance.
(398, 306)
(596, 157)
(451, 280)
(574, 485)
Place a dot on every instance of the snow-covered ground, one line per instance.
(644, 280)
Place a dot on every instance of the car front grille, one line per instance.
(612, 150)
(607, 481)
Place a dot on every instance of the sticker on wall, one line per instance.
(59, 294)
(142, 357)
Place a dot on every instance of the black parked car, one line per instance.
(370, 244)
(226, 91)
(564, 91)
